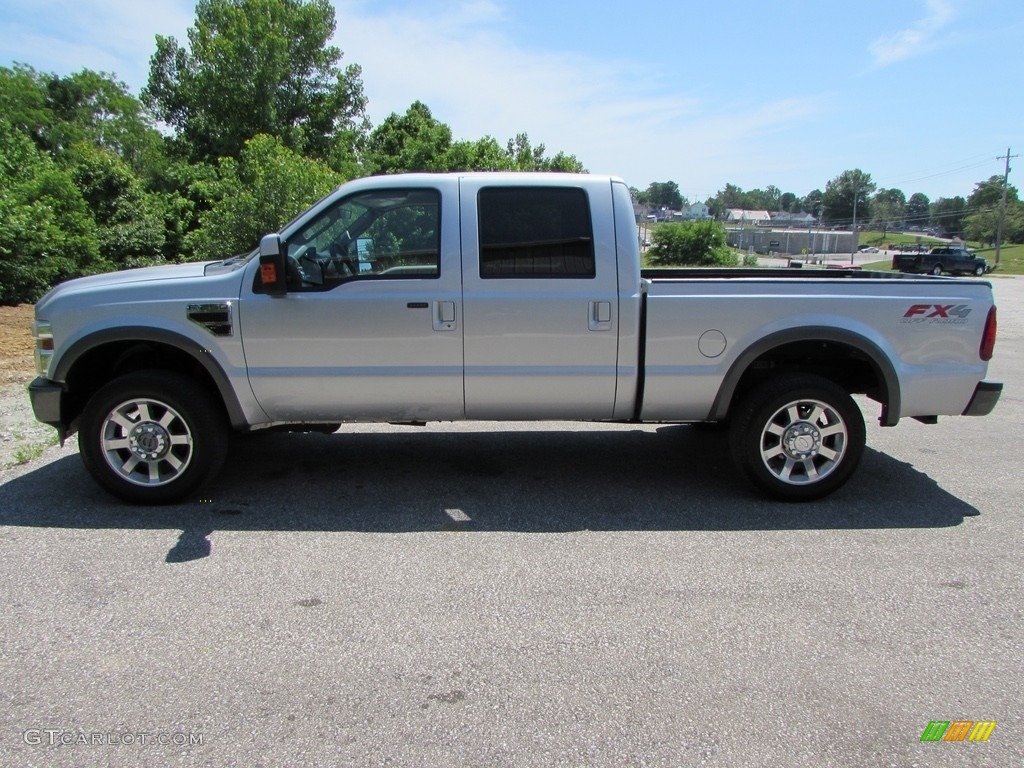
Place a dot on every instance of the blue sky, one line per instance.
(921, 94)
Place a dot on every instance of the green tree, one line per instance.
(813, 202)
(947, 213)
(770, 197)
(94, 107)
(918, 209)
(984, 207)
(484, 154)
(523, 156)
(989, 194)
(665, 194)
(563, 162)
(887, 207)
(415, 141)
(256, 67)
(46, 232)
(256, 194)
(842, 191)
(23, 103)
(130, 221)
(700, 243)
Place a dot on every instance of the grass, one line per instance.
(875, 238)
(30, 449)
(26, 453)
(1011, 260)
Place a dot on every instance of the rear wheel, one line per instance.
(797, 437)
(937, 269)
(152, 437)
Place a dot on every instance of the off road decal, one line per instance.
(946, 314)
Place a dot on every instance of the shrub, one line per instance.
(692, 243)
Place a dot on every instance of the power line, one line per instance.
(952, 171)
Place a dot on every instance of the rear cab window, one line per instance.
(535, 232)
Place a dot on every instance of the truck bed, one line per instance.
(770, 273)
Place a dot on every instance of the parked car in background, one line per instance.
(868, 249)
(957, 261)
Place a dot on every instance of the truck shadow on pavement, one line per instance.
(670, 478)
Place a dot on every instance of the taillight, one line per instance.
(988, 338)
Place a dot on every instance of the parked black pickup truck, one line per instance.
(957, 261)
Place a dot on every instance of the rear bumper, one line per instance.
(985, 397)
(46, 401)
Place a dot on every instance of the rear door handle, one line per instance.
(600, 316)
(444, 316)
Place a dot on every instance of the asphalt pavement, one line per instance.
(541, 594)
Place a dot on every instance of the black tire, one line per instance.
(152, 437)
(979, 270)
(797, 437)
(937, 270)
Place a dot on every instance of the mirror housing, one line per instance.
(273, 267)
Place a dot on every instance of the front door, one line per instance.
(371, 326)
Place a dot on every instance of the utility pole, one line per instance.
(1002, 207)
(854, 241)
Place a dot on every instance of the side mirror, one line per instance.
(273, 269)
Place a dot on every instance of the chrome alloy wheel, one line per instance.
(146, 442)
(803, 442)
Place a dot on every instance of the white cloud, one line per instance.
(65, 36)
(611, 113)
(916, 39)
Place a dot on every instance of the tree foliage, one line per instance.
(842, 191)
(696, 243)
(918, 209)
(887, 207)
(663, 194)
(770, 198)
(46, 232)
(984, 207)
(948, 214)
(256, 67)
(255, 195)
(418, 142)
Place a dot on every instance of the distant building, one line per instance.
(740, 216)
(697, 212)
(786, 219)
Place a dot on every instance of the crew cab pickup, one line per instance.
(495, 297)
(957, 261)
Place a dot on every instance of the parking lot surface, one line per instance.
(541, 594)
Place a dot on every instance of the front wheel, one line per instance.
(797, 437)
(152, 437)
(937, 270)
(979, 270)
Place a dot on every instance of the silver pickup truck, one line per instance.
(495, 297)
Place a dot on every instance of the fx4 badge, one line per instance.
(950, 314)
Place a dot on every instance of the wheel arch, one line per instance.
(98, 358)
(851, 360)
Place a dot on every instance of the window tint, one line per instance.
(377, 234)
(538, 232)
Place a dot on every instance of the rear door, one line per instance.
(540, 298)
